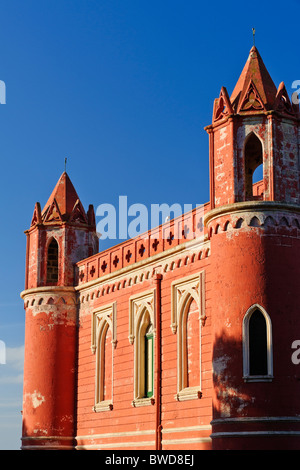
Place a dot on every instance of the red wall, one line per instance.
(124, 417)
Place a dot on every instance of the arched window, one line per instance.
(187, 319)
(144, 357)
(103, 344)
(257, 344)
(258, 348)
(142, 336)
(104, 365)
(189, 338)
(192, 345)
(52, 262)
(149, 357)
(253, 153)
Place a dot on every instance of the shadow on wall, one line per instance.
(229, 396)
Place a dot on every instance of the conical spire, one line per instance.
(64, 203)
(256, 81)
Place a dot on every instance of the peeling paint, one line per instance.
(220, 364)
(37, 399)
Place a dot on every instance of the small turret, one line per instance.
(59, 236)
(64, 228)
(256, 127)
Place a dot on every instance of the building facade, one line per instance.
(180, 338)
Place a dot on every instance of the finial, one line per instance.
(65, 165)
(253, 32)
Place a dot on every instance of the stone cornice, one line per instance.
(150, 261)
(254, 206)
(47, 290)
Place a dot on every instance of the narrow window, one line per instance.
(144, 356)
(52, 263)
(142, 336)
(189, 347)
(106, 376)
(104, 365)
(192, 346)
(103, 344)
(258, 344)
(149, 362)
(253, 159)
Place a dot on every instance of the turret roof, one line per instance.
(65, 196)
(256, 72)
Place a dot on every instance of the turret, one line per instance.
(257, 126)
(59, 236)
(254, 230)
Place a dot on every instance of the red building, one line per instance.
(175, 342)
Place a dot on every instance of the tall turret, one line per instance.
(254, 229)
(59, 236)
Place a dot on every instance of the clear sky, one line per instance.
(123, 89)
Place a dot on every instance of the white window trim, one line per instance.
(246, 352)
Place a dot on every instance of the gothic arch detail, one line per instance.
(142, 337)
(188, 297)
(222, 106)
(52, 262)
(253, 158)
(257, 345)
(261, 220)
(194, 285)
(103, 344)
(251, 100)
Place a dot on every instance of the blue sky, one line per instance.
(123, 89)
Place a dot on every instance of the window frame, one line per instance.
(184, 291)
(103, 318)
(249, 165)
(149, 339)
(246, 346)
(51, 282)
(141, 317)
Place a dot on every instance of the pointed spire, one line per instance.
(222, 105)
(254, 76)
(64, 200)
(37, 215)
(282, 102)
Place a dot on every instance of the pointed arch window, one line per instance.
(52, 262)
(188, 318)
(192, 343)
(103, 344)
(253, 159)
(104, 366)
(257, 345)
(149, 358)
(144, 357)
(142, 336)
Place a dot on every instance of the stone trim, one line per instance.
(141, 316)
(103, 318)
(250, 206)
(182, 291)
